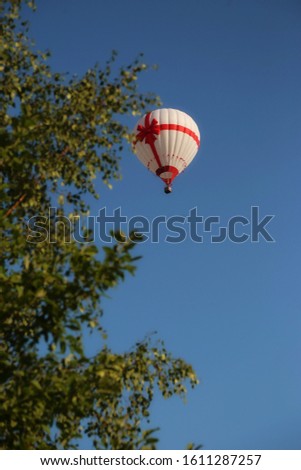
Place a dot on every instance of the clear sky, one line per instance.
(232, 310)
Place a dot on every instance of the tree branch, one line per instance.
(17, 203)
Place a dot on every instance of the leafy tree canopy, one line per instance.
(57, 134)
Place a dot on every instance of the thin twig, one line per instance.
(17, 203)
(66, 150)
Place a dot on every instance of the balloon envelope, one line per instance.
(166, 141)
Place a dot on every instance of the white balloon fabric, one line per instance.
(166, 141)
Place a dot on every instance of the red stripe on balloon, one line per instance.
(177, 127)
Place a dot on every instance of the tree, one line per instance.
(56, 135)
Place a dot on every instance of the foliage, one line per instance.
(57, 135)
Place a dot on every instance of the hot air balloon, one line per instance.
(166, 141)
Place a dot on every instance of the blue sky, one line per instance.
(232, 310)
